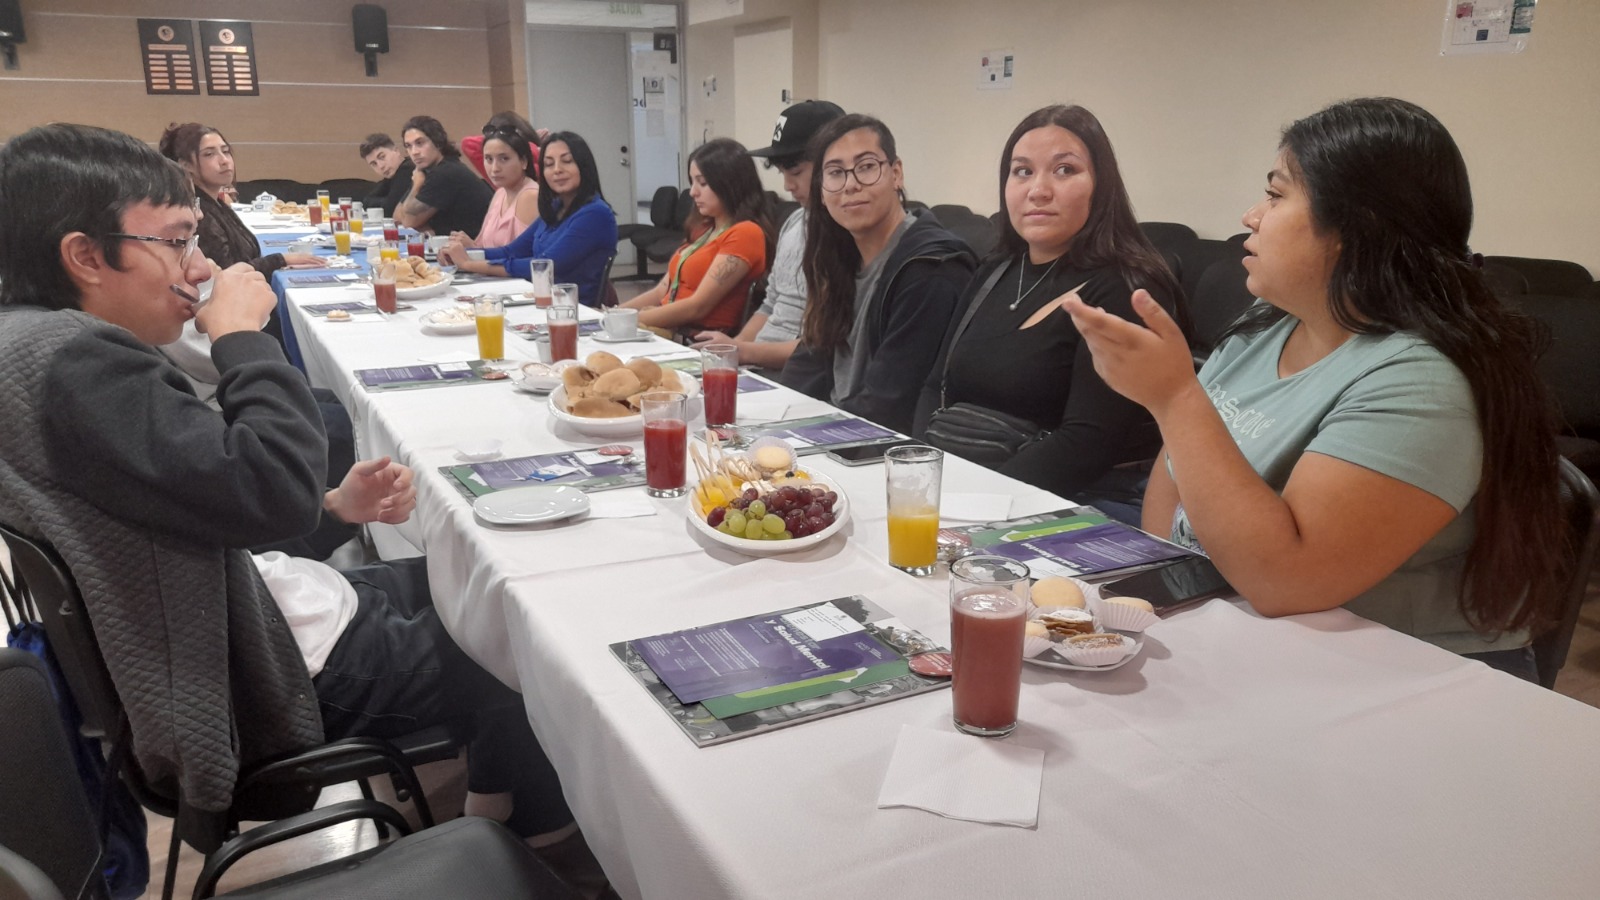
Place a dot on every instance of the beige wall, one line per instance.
(1194, 96)
(81, 63)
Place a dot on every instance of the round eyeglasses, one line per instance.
(868, 172)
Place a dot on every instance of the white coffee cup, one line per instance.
(475, 255)
(437, 241)
(620, 323)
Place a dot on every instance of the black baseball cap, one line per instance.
(796, 126)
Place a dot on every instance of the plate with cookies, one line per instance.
(600, 398)
(1072, 627)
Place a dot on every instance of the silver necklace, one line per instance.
(1021, 274)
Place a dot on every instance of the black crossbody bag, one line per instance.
(982, 435)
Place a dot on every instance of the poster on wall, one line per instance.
(230, 53)
(167, 48)
(1487, 26)
(995, 70)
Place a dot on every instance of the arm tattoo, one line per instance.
(729, 269)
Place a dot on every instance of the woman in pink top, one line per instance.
(510, 166)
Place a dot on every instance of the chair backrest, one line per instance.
(1218, 299)
(1197, 256)
(1580, 507)
(1548, 276)
(608, 291)
(355, 188)
(1168, 234)
(65, 617)
(1569, 365)
(682, 210)
(45, 817)
(1503, 280)
(664, 206)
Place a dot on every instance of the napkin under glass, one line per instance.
(963, 777)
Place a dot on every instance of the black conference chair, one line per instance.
(282, 188)
(1548, 276)
(285, 788)
(1195, 257)
(1580, 507)
(45, 804)
(664, 222)
(1168, 234)
(355, 188)
(1568, 368)
(1218, 298)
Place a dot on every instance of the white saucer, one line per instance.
(531, 505)
(604, 338)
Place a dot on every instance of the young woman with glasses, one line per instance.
(707, 283)
(1068, 227)
(207, 157)
(1372, 434)
(883, 282)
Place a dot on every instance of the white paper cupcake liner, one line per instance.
(1096, 656)
(1034, 646)
(1118, 617)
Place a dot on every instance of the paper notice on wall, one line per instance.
(1487, 26)
(995, 70)
(655, 123)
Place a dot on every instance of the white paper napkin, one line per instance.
(969, 507)
(963, 777)
(619, 506)
(758, 408)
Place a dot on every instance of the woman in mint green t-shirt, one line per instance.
(1373, 434)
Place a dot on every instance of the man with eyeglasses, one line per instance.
(221, 658)
(772, 333)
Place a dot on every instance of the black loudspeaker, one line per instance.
(372, 33)
(11, 31)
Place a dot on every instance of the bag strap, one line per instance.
(966, 319)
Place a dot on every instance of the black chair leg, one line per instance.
(172, 863)
(366, 794)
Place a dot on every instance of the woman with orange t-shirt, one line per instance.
(708, 280)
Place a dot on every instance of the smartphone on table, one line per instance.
(864, 454)
(1172, 587)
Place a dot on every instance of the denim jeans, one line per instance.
(395, 670)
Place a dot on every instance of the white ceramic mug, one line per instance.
(621, 323)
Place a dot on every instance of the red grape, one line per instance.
(715, 517)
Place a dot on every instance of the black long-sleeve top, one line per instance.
(225, 240)
(1045, 374)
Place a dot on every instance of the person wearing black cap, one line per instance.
(770, 336)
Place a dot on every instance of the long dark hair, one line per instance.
(730, 172)
(1110, 238)
(522, 141)
(1387, 178)
(831, 257)
(181, 142)
(57, 179)
(588, 178)
(434, 130)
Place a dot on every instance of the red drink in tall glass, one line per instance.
(383, 295)
(415, 246)
(563, 340)
(391, 231)
(314, 211)
(666, 446)
(721, 390)
(986, 651)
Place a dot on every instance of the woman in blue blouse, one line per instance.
(576, 228)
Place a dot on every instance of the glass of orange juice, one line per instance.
(341, 237)
(914, 474)
(490, 314)
(389, 251)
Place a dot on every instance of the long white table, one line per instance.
(1318, 756)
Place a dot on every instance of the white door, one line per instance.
(763, 74)
(578, 81)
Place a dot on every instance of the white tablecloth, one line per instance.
(1319, 756)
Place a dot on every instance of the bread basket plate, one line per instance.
(621, 426)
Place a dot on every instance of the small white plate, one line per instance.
(1050, 659)
(441, 322)
(531, 505)
(604, 338)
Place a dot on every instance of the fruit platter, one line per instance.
(761, 502)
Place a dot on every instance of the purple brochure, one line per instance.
(749, 384)
(1089, 551)
(817, 433)
(761, 651)
(416, 374)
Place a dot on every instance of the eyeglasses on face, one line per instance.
(868, 172)
(186, 245)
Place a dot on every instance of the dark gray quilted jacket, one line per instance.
(106, 454)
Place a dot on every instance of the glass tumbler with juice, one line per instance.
(490, 314)
(719, 383)
(415, 245)
(542, 274)
(390, 251)
(341, 237)
(914, 474)
(666, 443)
(988, 611)
(314, 212)
(383, 287)
(563, 324)
(391, 231)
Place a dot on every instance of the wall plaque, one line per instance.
(230, 55)
(167, 46)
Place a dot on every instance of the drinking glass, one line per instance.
(314, 212)
(562, 320)
(666, 443)
(383, 287)
(564, 295)
(490, 313)
(719, 383)
(323, 201)
(913, 475)
(358, 222)
(390, 250)
(415, 245)
(988, 611)
(346, 205)
(542, 273)
(341, 237)
(391, 231)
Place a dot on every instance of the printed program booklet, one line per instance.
(732, 679)
(1078, 542)
(831, 431)
(585, 470)
(404, 378)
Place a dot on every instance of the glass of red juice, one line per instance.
(383, 288)
(989, 606)
(719, 383)
(563, 324)
(415, 245)
(391, 231)
(542, 275)
(666, 444)
(314, 212)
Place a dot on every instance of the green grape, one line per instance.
(723, 527)
(756, 509)
(735, 521)
(783, 536)
(772, 523)
(753, 530)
